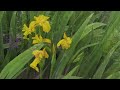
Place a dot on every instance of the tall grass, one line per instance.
(93, 54)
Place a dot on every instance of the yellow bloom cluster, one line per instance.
(39, 55)
(42, 21)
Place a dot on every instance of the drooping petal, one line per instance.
(36, 53)
(59, 43)
(34, 64)
(41, 18)
(37, 39)
(69, 40)
(46, 26)
(45, 53)
(41, 55)
(32, 26)
(35, 42)
(46, 40)
(40, 38)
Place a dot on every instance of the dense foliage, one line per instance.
(71, 45)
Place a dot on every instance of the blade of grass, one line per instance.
(70, 73)
(53, 61)
(114, 76)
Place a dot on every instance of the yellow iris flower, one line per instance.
(42, 21)
(41, 18)
(28, 30)
(65, 43)
(38, 39)
(34, 64)
(39, 54)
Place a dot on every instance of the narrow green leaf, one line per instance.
(81, 49)
(70, 73)
(1, 37)
(114, 76)
(53, 61)
(73, 77)
(91, 27)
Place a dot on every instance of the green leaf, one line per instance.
(78, 57)
(13, 67)
(114, 76)
(70, 73)
(115, 67)
(103, 65)
(1, 38)
(81, 49)
(77, 37)
(92, 60)
(73, 77)
(13, 26)
(24, 17)
(91, 27)
(17, 74)
(53, 61)
(32, 14)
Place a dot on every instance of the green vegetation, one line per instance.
(93, 54)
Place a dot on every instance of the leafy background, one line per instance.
(94, 52)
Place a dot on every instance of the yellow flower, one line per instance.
(32, 26)
(65, 43)
(34, 64)
(42, 21)
(39, 54)
(46, 26)
(38, 39)
(26, 30)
